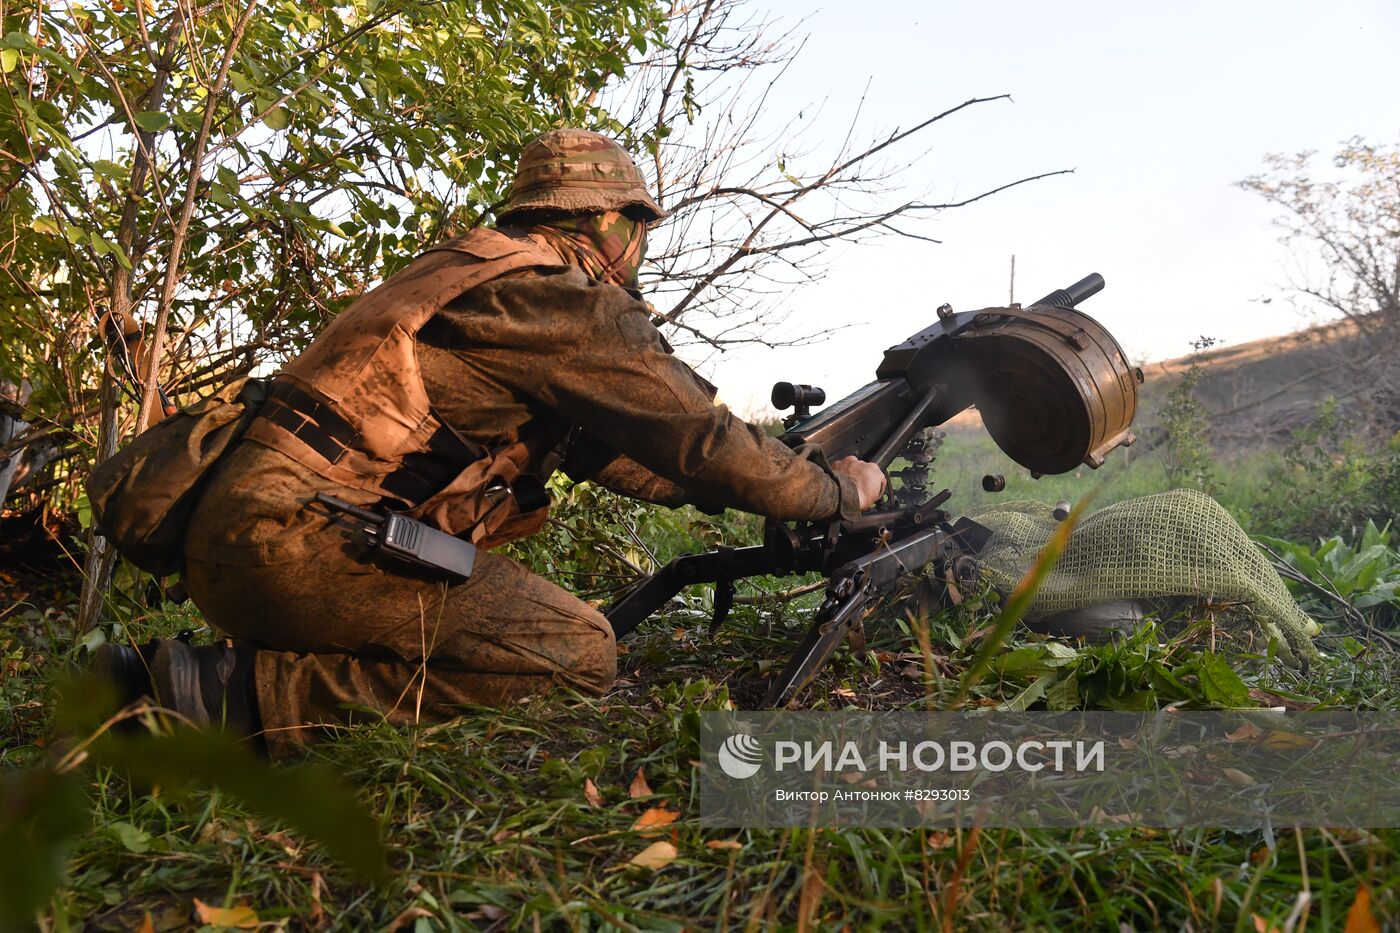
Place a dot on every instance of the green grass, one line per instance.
(965, 458)
(491, 822)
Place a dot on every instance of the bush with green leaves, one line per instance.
(1189, 459)
(1365, 574)
(597, 542)
(1329, 478)
(230, 179)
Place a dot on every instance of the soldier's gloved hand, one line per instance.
(870, 479)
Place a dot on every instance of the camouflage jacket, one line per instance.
(558, 371)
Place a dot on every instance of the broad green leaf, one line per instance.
(60, 61)
(1132, 701)
(1368, 573)
(133, 839)
(1059, 653)
(152, 122)
(228, 178)
(8, 59)
(278, 118)
(1371, 536)
(1031, 694)
(1166, 684)
(1018, 659)
(1219, 682)
(94, 639)
(1063, 695)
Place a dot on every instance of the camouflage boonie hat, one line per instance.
(577, 171)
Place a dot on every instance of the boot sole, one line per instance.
(175, 674)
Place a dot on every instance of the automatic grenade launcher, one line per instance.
(1054, 389)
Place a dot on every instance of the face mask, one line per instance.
(608, 246)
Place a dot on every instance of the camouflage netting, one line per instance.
(1174, 544)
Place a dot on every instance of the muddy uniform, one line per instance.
(535, 368)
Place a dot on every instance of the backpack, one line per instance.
(143, 496)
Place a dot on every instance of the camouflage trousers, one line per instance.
(347, 636)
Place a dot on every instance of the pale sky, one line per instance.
(1159, 108)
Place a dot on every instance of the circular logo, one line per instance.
(740, 756)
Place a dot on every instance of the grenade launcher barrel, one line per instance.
(1067, 298)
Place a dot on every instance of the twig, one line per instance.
(759, 599)
(1353, 615)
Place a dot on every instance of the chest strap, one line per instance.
(320, 427)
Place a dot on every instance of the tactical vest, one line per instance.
(353, 407)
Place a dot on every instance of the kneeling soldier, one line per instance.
(451, 392)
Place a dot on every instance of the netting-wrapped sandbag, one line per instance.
(1169, 545)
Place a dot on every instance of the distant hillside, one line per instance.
(1258, 392)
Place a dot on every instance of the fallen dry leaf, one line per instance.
(590, 793)
(407, 917)
(1282, 740)
(1360, 919)
(504, 834)
(489, 912)
(147, 924)
(1236, 776)
(216, 831)
(656, 816)
(845, 693)
(241, 917)
(724, 844)
(1099, 815)
(1245, 733)
(286, 842)
(640, 787)
(655, 856)
(318, 911)
(1273, 699)
(809, 901)
(1263, 926)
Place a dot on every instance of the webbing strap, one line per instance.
(319, 426)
